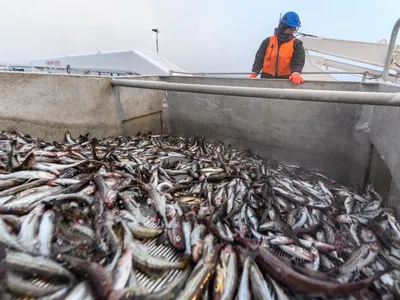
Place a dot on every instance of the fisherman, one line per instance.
(281, 55)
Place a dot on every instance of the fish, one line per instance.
(298, 252)
(227, 275)
(187, 231)
(34, 288)
(46, 231)
(47, 268)
(122, 270)
(150, 263)
(83, 219)
(196, 241)
(175, 233)
(81, 291)
(360, 258)
(244, 284)
(107, 195)
(201, 274)
(137, 228)
(287, 276)
(259, 287)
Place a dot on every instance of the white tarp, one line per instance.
(137, 61)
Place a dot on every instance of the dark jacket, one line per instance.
(297, 63)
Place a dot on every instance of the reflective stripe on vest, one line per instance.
(283, 58)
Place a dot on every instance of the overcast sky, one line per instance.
(206, 35)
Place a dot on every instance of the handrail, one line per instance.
(389, 55)
(370, 98)
(247, 73)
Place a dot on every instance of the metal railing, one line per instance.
(365, 73)
(375, 98)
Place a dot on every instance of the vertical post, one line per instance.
(157, 41)
(157, 32)
(389, 55)
(364, 78)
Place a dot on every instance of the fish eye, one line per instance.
(178, 238)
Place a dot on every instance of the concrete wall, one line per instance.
(46, 105)
(318, 136)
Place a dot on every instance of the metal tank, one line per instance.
(348, 131)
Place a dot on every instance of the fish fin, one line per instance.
(163, 239)
(27, 164)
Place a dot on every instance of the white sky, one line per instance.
(206, 35)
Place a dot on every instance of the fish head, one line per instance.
(314, 251)
(374, 247)
(244, 229)
(212, 256)
(205, 211)
(272, 214)
(197, 251)
(111, 198)
(178, 240)
(176, 235)
(228, 249)
(342, 218)
(170, 211)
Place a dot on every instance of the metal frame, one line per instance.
(376, 98)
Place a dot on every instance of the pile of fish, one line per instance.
(164, 217)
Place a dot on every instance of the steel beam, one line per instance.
(370, 98)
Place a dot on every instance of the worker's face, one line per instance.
(290, 30)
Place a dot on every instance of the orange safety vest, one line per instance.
(277, 61)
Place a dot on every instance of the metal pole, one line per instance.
(389, 55)
(157, 32)
(157, 41)
(384, 99)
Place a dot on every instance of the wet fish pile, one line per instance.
(163, 217)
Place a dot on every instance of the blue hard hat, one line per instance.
(291, 19)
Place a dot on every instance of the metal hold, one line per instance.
(153, 284)
(380, 99)
(389, 55)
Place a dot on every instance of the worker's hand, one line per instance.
(296, 78)
(253, 75)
